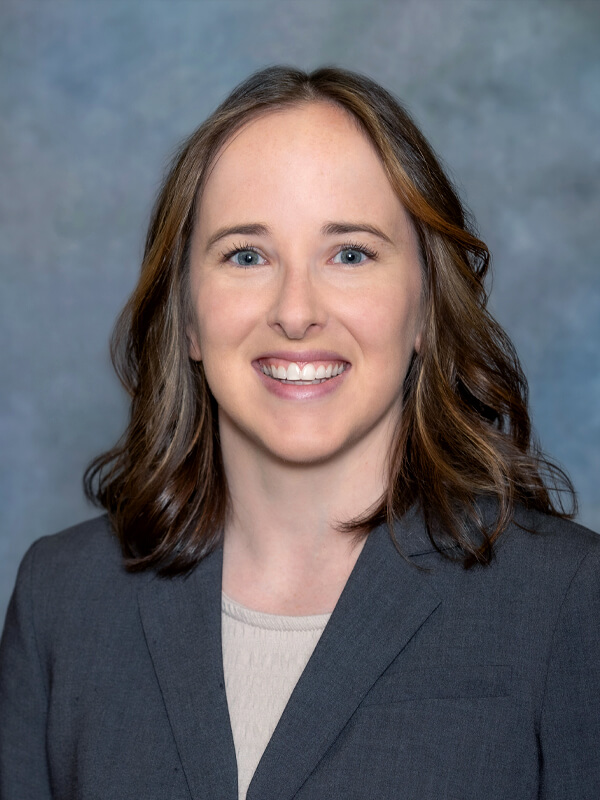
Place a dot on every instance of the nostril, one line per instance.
(295, 329)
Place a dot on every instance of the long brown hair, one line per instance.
(465, 432)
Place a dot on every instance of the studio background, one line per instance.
(94, 97)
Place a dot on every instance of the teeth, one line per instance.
(293, 372)
(308, 374)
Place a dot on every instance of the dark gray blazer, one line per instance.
(425, 685)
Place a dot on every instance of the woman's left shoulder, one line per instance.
(553, 547)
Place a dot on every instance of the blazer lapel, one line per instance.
(182, 624)
(383, 604)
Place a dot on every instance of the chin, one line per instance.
(305, 451)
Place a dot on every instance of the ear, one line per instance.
(194, 351)
(418, 342)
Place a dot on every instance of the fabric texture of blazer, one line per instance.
(430, 682)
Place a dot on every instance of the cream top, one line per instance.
(263, 658)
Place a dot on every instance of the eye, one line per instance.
(245, 257)
(353, 255)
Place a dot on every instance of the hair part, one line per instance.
(464, 433)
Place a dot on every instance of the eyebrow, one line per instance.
(329, 229)
(340, 228)
(255, 229)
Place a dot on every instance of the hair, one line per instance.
(464, 433)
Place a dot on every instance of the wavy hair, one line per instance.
(465, 432)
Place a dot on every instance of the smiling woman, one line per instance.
(368, 583)
(320, 287)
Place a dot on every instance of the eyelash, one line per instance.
(227, 254)
(361, 248)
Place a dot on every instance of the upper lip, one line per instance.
(304, 357)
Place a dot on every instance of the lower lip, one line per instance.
(311, 391)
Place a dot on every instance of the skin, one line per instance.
(299, 461)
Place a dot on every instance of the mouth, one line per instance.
(302, 373)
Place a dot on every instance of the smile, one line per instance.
(302, 376)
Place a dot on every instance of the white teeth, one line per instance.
(293, 372)
(308, 374)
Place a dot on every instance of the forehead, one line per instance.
(312, 157)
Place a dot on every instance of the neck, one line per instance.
(284, 552)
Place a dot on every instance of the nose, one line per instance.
(297, 309)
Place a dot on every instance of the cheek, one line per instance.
(221, 317)
(387, 325)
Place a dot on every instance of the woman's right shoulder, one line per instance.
(76, 564)
(71, 580)
(89, 544)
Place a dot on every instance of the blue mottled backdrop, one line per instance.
(94, 96)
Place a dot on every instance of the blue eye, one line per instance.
(350, 255)
(246, 258)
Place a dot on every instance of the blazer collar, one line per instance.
(383, 604)
(182, 622)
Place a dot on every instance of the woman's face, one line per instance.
(306, 286)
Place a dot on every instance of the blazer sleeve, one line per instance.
(570, 717)
(23, 698)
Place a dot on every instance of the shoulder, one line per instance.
(543, 559)
(547, 542)
(93, 538)
(537, 560)
(76, 573)
(89, 550)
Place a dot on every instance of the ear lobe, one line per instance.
(418, 342)
(194, 351)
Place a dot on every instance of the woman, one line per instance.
(331, 565)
